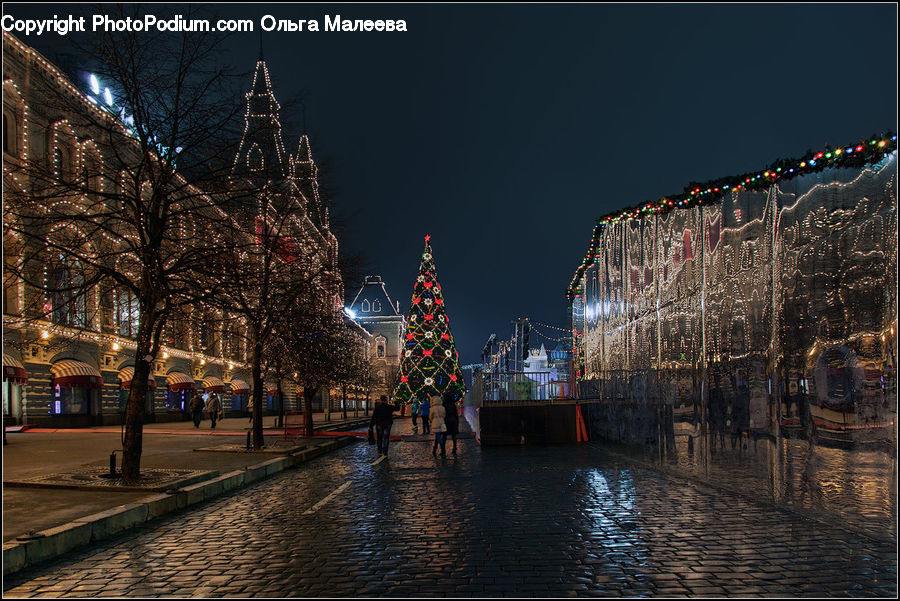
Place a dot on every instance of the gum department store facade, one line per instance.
(75, 368)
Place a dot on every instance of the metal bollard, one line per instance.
(112, 464)
(248, 439)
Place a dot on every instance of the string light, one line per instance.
(695, 195)
(75, 156)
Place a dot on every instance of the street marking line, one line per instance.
(319, 505)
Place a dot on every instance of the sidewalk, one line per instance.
(71, 517)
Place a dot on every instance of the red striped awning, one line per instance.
(126, 374)
(271, 388)
(239, 387)
(13, 370)
(179, 381)
(70, 372)
(211, 384)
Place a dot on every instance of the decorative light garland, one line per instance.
(77, 159)
(854, 155)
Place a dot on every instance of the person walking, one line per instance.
(250, 408)
(438, 425)
(382, 420)
(213, 406)
(196, 407)
(452, 417)
(424, 413)
(414, 410)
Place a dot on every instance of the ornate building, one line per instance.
(68, 361)
(374, 310)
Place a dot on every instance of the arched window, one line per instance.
(376, 306)
(90, 175)
(11, 256)
(67, 299)
(9, 134)
(365, 306)
(128, 313)
(255, 159)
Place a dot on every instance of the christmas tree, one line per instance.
(429, 363)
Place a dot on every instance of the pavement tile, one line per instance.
(530, 522)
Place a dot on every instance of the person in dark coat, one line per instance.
(382, 420)
(196, 407)
(452, 417)
(425, 413)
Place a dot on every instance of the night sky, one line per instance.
(504, 131)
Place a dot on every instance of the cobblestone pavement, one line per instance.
(530, 521)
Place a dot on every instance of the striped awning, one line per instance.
(239, 387)
(127, 373)
(70, 372)
(211, 384)
(13, 370)
(179, 381)
(271, 388)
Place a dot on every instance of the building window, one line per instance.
(365, 306)
(9, 134)
(70, 400)
(255, 159)
(68, 305)
(128, 313)
(376, 306)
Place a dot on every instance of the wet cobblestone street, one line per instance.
(529, 521)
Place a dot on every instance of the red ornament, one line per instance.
(429, 317)
(429, 284)
(403, 378)
(453, 378)
(439, 301)
(417, 299)
(427, 353)
(410, 336)
(427, 237)
(445, 336)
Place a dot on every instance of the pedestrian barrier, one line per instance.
(293, 424)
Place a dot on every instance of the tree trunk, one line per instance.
(280, 406)
(256, 372)
(344, 400)
(132, 442)
(308, 393)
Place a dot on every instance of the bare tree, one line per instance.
(312, 338)
(130, 212)
(366, 377)
(261, 276)
(348, 363)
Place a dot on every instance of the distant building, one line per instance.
(378, 314)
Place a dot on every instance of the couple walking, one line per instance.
(444, 420)
(209, 402)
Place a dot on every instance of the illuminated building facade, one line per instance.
(69, 361)
(771, 309)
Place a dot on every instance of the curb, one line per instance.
(56, 541)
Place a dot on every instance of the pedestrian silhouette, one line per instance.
(382, 420)
(452, 416)
(438, 425)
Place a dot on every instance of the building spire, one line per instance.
(262, 148)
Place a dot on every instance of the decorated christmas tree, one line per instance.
(429, 362)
